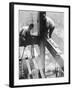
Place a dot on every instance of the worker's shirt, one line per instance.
(24, 29)
(49, 22)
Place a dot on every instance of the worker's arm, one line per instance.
(49, 22)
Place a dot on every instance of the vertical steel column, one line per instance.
(42, 45)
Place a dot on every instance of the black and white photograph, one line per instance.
(41, 44)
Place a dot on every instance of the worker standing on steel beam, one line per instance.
(50, 25)
(25, 32)
(24, 35)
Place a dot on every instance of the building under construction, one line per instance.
(40, 56)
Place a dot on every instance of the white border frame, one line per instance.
(18, 82)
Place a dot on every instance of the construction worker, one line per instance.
(49, 25)
(24, 35)
(25, 31)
